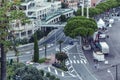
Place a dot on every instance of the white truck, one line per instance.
(99, 56)
(104, 47)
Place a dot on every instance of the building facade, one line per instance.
(40, 12)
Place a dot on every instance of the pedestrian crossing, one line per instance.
(57, 72)
(76, 61)
(48, 45)
(54, 71)
(65, 49)
(68, 47)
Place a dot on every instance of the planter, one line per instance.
(86, 47)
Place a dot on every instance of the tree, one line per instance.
(64, 5)
(28, 73)
(80, 26)
(48, 0)
(61, 57)
(62, 18)
(3, 35)
(60, 42)
(36, 49)
(45, 46)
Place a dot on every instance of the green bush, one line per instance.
(47, 74)
(42, 72)
(56, 79)
(64, 68)
(52, 77)
(42, 60)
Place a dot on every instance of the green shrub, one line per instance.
(47, 74)
(42, 60)
(42, 72)
(52, 77)
(56, 79)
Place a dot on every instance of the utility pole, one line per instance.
(116, 72)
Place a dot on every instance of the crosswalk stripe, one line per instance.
(67, 63)
(78, 61)
(72, 75)
(49, 69)
(81, 61)
(74, 61)
(84, 61)
(56, 72)
(72, 71)
(69, 67)
(62, 73)
(70, 61)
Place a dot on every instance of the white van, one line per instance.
(104, 47)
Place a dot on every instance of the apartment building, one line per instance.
(40, 12)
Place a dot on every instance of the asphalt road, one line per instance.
(113, 57)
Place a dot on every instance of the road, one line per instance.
(113, 57)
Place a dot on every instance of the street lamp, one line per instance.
(82, 7)
(111, 74)
(88, 6)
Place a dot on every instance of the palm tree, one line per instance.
(45, 46)
(60, 42)
(4, 31)
(3, 34)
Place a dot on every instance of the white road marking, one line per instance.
(69, 67)
(72, 71)
(62, 73)
(74, 57)
(81, 61)
(72, 75)
(28, 52)
(70, 61)
(78, 61)
(49, 45)
(74, 61)
(85, 61)
(56, 72)
(40, 49)
(49, 69)
(67, 63)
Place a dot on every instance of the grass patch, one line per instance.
(64, 68)
(42, 60)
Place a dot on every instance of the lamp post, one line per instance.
(82, 7)
(88, 6)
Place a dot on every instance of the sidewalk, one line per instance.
(52, 58)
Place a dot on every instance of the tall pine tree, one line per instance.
(36, 49)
